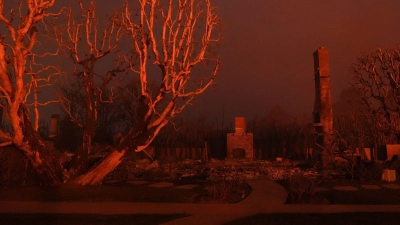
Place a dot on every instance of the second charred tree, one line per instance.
(322, 115)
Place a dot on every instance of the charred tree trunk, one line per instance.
(45, 162)
(97, 174)
(15, 90)
(80, 161)
(81, 157)
(137, 136)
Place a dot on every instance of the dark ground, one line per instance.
(82, 219)
(326, 219)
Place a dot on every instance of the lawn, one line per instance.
(363, 196)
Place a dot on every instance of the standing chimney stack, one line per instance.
(240, 143)
(322, 115)
(240, 125)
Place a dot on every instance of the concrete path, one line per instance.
(267, 197)
(266, 194)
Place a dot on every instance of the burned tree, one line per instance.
(88, 43)
(174, 39)
(376, 78)
(352, 121)
(17, 45)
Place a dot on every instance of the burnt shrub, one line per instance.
(225, 189)
(299, 186)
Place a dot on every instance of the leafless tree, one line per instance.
(88, 43)
(173, 41)
(353, 121)
(19, 77)
(376, 78)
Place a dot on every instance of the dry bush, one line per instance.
(299, 186)
(221, 189)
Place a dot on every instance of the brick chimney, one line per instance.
(240, 125)
(322, 115)
(240, 143)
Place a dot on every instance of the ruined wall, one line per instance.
(322, 115)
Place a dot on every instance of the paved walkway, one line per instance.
(267, 197)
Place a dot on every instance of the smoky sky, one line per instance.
(267, 46)
(266, 51)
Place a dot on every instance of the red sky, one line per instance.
(266, 54)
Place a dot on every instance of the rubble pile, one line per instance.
(139, 167)
(198, 171)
